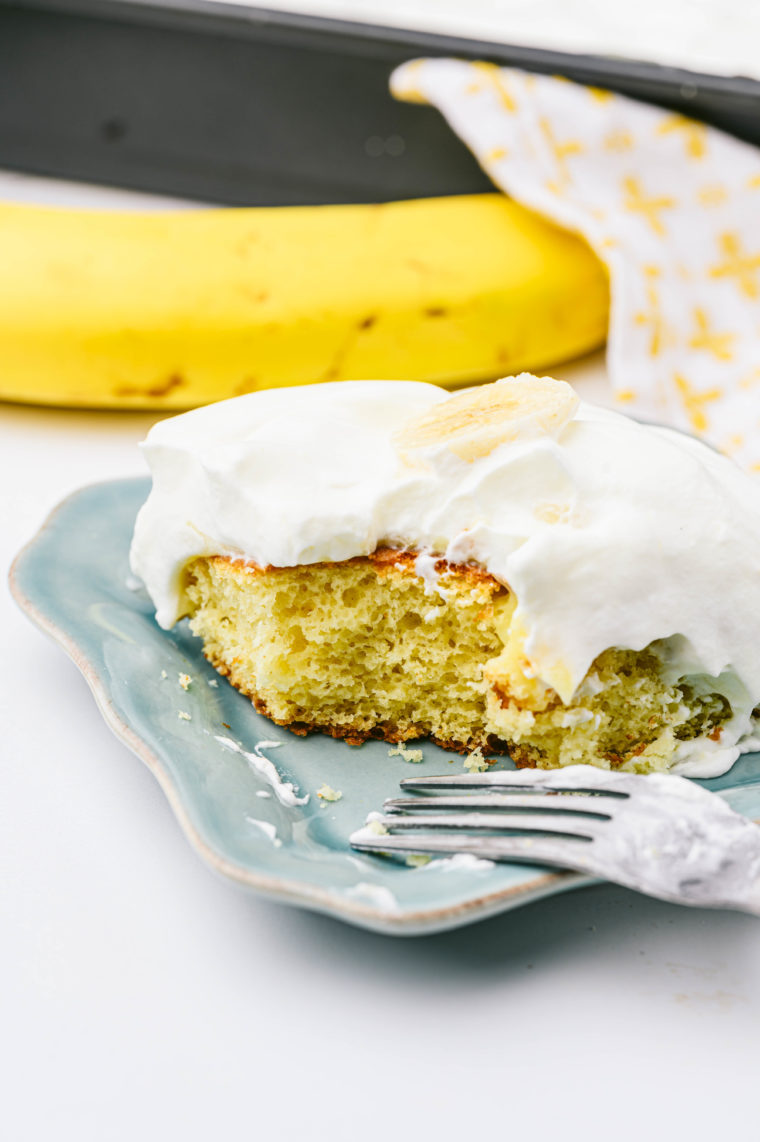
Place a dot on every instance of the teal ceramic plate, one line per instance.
(250, 807)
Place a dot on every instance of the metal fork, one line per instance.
(659, 834)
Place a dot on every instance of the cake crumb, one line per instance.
(475, 762)
(184, 681)
(213, 682)
(325, 793)
(184, 716)
(164, 675)
(374, 824)
(413, 755)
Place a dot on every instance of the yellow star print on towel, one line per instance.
(671, 206)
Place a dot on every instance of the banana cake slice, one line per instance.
(508, 568)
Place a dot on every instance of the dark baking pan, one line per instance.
(245, 106)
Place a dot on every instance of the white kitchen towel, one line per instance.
(671, 206)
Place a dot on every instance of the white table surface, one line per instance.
(142, 997)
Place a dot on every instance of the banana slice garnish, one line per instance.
(473, 423)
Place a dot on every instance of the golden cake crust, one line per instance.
(386, 560)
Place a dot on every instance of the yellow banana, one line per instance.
(172, 310)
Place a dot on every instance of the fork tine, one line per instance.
(565, 853)
(530, 802)
(600, 783)
(582, 828)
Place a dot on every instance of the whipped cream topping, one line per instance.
(609, 533)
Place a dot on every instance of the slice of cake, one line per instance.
(507, 568)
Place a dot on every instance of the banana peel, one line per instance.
(172, 310)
